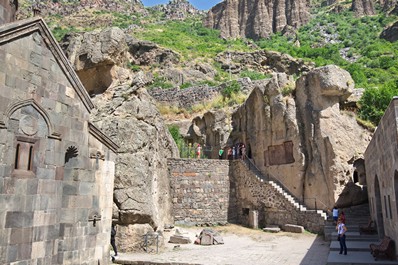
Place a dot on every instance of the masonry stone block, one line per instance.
(19, 219)
(38, 250)
(21, 235)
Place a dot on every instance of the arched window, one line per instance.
(17, 156)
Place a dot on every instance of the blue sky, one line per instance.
(199, 4)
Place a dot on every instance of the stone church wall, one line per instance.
(381, 161)
(56, 169)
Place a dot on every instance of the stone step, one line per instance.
(352, 245)
(355, 236)
(356, 257)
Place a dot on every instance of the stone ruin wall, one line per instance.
(216, 191)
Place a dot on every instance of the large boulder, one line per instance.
(98, 57)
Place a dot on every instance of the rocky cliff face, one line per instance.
(363, 7)
(125, 111)
(304, 141)
(256, 19)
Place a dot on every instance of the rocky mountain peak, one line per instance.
(178, 9)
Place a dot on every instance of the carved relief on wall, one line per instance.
(279, 154)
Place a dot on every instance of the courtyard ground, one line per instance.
(241, 246)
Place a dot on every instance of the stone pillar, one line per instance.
(253, 219)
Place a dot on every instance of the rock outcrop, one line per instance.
(256, 19)
(303, 141)
(390, 33)
(127, 113)
(65, 8)
(263, 61)
(363, 7)
(177, 9)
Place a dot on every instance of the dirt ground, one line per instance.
(241, 246)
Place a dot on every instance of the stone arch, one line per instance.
(378, 208)
(42, 112)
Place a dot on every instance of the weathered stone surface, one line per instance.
(142, 192)
(263, 61)
(98, 57)
(363, 7)
(177, 9)
(256, 19)
(178, 239)
(125, 111)
(272, 229)
(293, 228)
(8, 10)
(148, 53)
(390, 33)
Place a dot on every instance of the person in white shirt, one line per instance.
(341, 230)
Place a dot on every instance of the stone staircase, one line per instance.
(357, 243)
(280, 189)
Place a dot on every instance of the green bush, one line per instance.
(232, 88)
(375, 101)
(253, 75)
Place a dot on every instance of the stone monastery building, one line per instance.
(56, 168)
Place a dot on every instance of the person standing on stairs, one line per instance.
(335, 214)
(341, 230)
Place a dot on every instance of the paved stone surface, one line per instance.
(244, 246)
(356, 257)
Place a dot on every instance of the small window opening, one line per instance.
(30, 158)
(17, 157)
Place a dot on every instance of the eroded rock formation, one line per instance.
(363, 7)
(127, 113)
(256, 19)
(304, 141)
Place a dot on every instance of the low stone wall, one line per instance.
(201, 191)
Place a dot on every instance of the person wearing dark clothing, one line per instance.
(113, 234)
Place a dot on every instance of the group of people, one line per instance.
(341, 228)
(237, 151)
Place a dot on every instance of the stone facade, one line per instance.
(382, 173)
(200, 191)
(8, 9)
(56, 168)
(216, 191)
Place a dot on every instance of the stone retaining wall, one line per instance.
(215, 191)
(201, 191)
